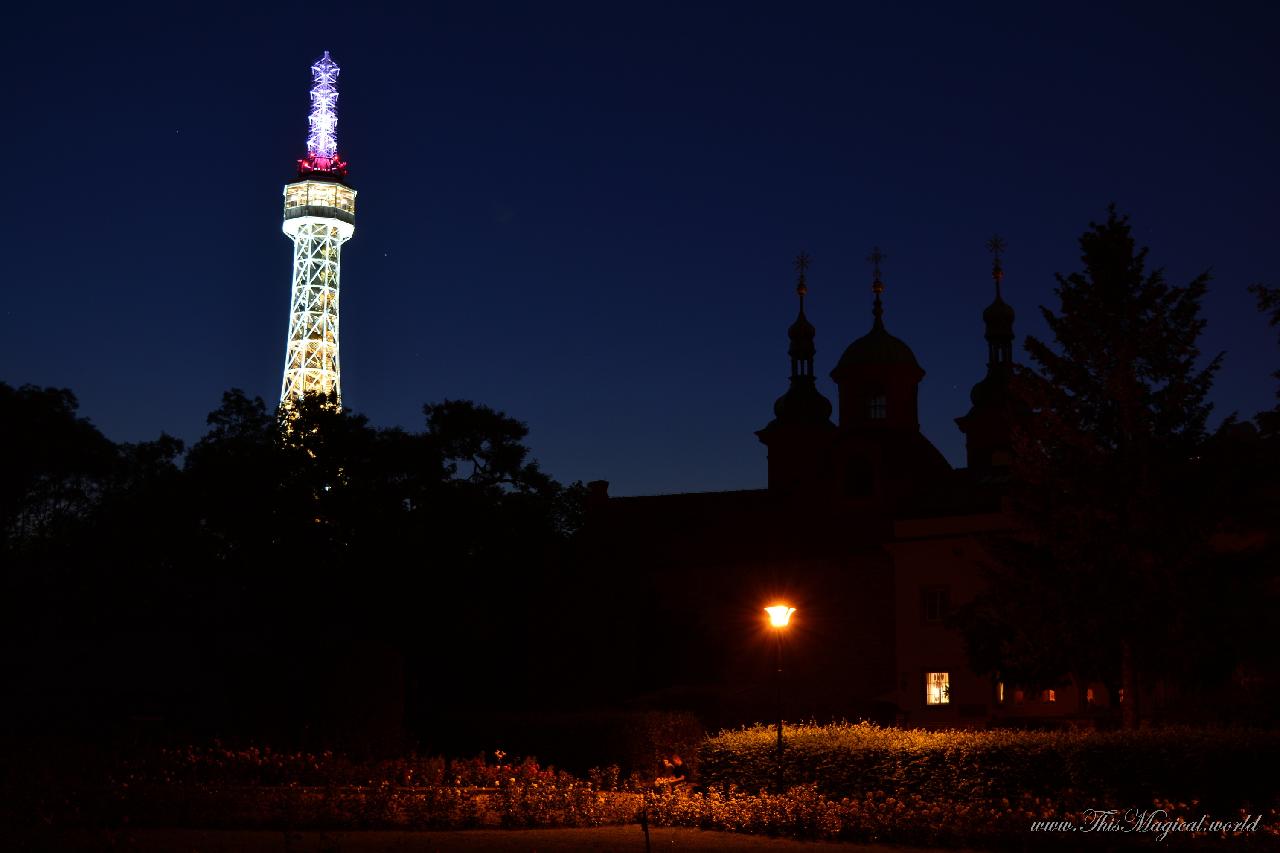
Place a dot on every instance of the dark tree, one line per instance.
(52, 464)
(1269, 304)
(1108, 480)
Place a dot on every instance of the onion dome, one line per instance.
(803, 404)
(801, 333)
(987, 426)
(998, 316)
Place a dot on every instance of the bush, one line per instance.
(637, 741)
(1214, 766)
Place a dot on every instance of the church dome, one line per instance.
(802, 404)
(991, 391)
(877, 347)
(998, 317)
(801, 329)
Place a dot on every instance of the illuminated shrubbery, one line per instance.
(843, 782)
(1214, 766)
(259, 788)
(994, 824)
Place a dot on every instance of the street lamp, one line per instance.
(779, 618)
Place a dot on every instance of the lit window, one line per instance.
(1088, 696)
(937, 688)
(1048, 696)
(876, 406)
(1019, 697)
(1000, 691)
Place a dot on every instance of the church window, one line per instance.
(933, 604)
(1000, 692)
(937, 688)
(1048, 695)
(877, 407)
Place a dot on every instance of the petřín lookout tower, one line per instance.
(319, 216)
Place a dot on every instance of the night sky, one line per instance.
(585, 215)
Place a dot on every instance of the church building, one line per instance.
(864, 528)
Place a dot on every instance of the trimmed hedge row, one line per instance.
(1223, 768)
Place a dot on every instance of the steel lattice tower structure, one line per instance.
(319, 216)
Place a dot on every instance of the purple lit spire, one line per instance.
(322, 140)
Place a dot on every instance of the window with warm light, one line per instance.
(1089, 696)
(1000, 691)
(937, 688)
(1048, 696)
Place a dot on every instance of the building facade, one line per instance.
(864, 527)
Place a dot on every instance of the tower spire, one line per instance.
(998, 317)
(877, 286)
(793, 452)
(988, 442)
(801, 332)
(996, 246)
(802, 264)
(322, 135)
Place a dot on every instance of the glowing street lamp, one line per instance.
(779, 619)
(779, 615)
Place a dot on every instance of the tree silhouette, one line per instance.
(291, 551)
(1269, 304)
(1106, 472)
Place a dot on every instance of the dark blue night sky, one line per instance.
(585, 215)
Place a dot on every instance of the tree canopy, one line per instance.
(283, 544)
(1112, 483)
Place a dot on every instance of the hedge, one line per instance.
(1221, 768)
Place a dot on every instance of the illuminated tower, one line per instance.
(319, 216)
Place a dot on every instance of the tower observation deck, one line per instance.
(319, 216)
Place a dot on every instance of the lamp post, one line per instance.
(779, 618)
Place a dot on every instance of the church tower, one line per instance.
(988, 425)
(881, 452)
(799, 435)
(878, 375)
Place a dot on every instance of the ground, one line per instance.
(607, 839)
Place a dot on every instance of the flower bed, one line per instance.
(843, 782)
(988, 824)
(560, 803)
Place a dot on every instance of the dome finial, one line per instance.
(996, 245)
(802, 264)
(877, 286)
